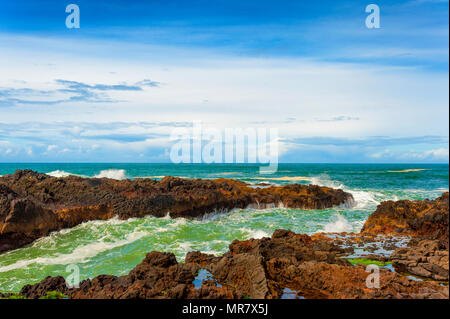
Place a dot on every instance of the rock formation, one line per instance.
(425, 258)
(427, 223)
(420, 218)
(34, 204)
(257, 268)
(302, 266)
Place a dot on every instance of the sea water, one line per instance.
(116, 246)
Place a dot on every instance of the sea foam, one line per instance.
(118, 174)
(363, 199)
(59, 173)
(338, 225)
(78, 255)
(255, 234)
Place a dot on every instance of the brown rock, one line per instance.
(29, 218)
(421, 218)
(427, 258)
(33, 204)
(258, 268)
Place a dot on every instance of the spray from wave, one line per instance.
(338, 225)
(59, 173)
(118, 174)
(254, 233)
(363, 199)
(324, 180)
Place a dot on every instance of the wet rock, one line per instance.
(46, 285)
(421, 218)
(158, 276)
(255, 268)
(29, 218)
(427, 258)
(311, 266)
(33, 204)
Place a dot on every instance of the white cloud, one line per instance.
(438, 154)
(341, 100)
(433, 155)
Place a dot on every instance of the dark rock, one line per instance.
(256, 268)
(427, 258)
(33, 204)
(428, 219)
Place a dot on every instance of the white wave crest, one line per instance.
(178, 222)
(184, 246)
(78, 255)
(256, 234)
(118, 174)
(59, 173)
(363, 199)
(338, 225)
(324, 180)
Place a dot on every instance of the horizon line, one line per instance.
(255, 164)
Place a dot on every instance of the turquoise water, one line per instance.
(115, 247)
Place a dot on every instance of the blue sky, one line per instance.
(114, 89)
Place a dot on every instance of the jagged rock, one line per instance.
(311, 267)
(427, 258)
(46, 285)
(33, 204)
(29, 218)
(158, 276)
(420, 218)
(256, 268)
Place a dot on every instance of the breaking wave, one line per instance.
(118, 174)
(363, 198)
(255, 233)
(79, 255)
(338, 225)
(59, 173)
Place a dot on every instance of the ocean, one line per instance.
(116, 246)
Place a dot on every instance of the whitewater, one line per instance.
(116, 246)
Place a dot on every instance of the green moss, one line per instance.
(246, 296)
(366, 262)
(49, 295)
(14, 296)
(54, 295)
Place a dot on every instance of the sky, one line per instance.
(116, 88)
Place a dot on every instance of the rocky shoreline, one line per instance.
(406, 240)
(33, 204)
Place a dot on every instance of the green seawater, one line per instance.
(115, 246)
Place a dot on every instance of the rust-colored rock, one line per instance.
(309, 266)
(34, 204)
(257, 268)
(426, 258)
(420, 218)
(159, 276)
